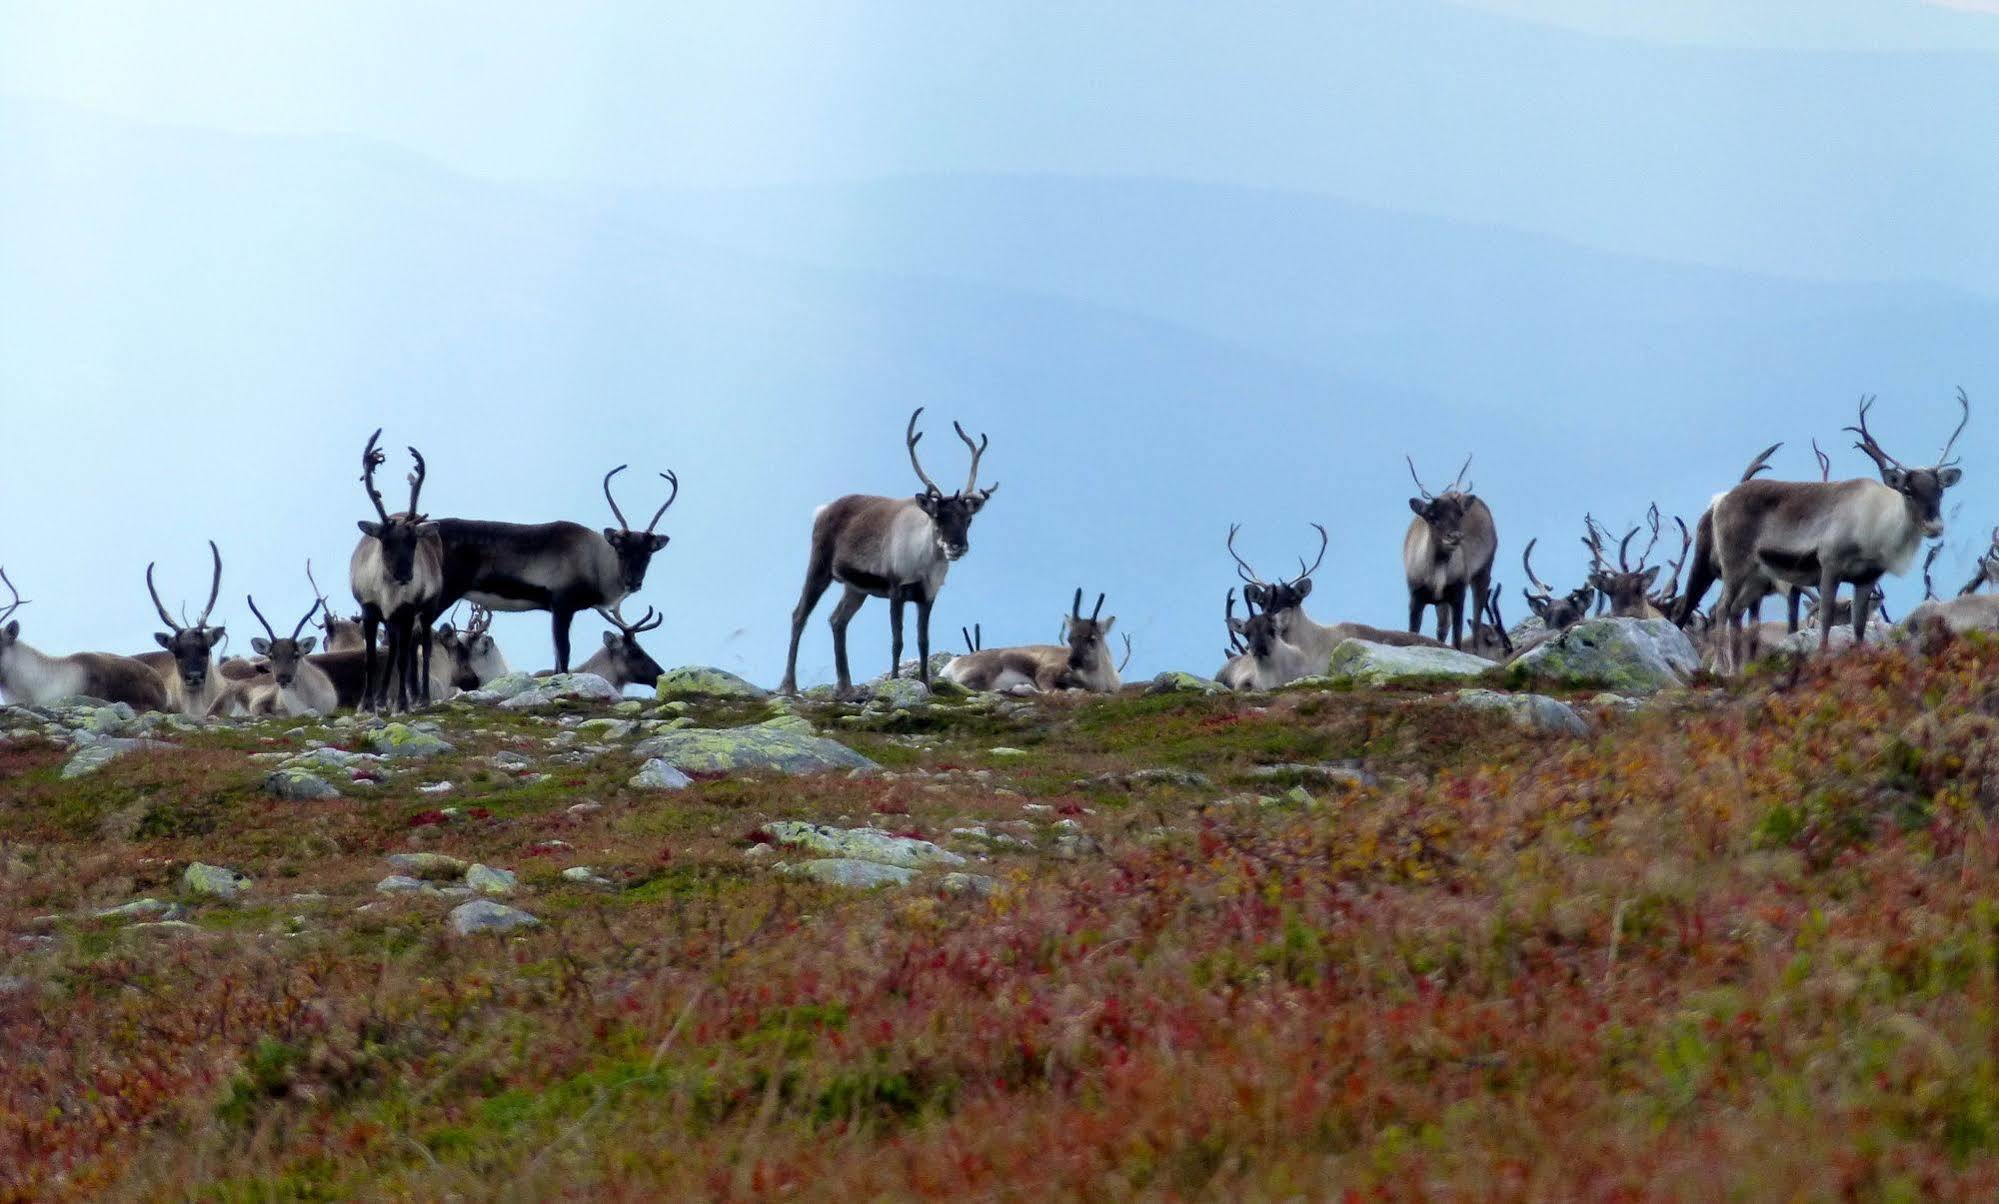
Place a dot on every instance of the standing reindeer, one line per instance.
(289, 684)
(621, 661)
(1788, 534)
(1706, 570)
(894, 548)
(30, 678)
(397, 575)
(1447, 553)
(563, 568)
(187, 664)
(1081, 662)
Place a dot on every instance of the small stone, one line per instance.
(489, 881)
(401, 883)
(299, 786)
(841, 871)
(510, 761)
(1184, 683)
(977, 885)
(402, 742)
(585, 875)
(1004, 751)
(867, 844)
(101, 752)
(696, 681)
(581, 809)
(434, 788)
(484, 915)
(214, 881)
(657, 774)
(135, 909)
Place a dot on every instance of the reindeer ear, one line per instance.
(1651, 576)
(260, 645)
(1108, 624)
(306, 645)
(1416, 504)
(426, 530)
(611, 639)
(1894, 478)
(166, 641)
(1304, 589)
(13, 629)
(1947, 477)
(660, 541)
(371, 530)
(611, 534)
(1238, 626)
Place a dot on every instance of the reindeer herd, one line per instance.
(1801, 540)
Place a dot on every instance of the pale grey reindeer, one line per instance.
(288, 683)
(1785, 535)
(1969, 610)
(472, 656)
(1447, 554)
(1238, 671)
(31, 678)
(1081, 662)
(1296, 645)
(895, 548)
(187, 664)
(397, 575)
(621, 661)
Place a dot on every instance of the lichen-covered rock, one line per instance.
(396, 884)
(1361, 662)
(498, 690)
(860, 844)
(976, 885)
(484, 915)
(764, 746)
(214, 881)
(1631, 656)
(141, 908)
(299, 786)
(699, 681)
(323, 760)
(100, 752)
(585, 875)
(438, 867)
(657, 774)
(1174, 682)
(899, 693)
(489, 881)
(1531, 712)
(563, 687)
(401, 742)
(607, 729)
(841, 871)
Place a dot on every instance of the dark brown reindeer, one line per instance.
(1447, 554)
(621, 661)
(563, 568)
(187, 665)
(1786, 535)
(894, 548)
(1556, 614)
(31, 678)
(397, 575)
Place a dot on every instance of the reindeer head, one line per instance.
(342, 635)
(1629, 588)
(1922, 489)
(475, 655)
(1445, 513)
(399, 534)
(1493, 641)
(284, 654)
(1258, 635)
(1556, 614)
(190, 643)
(635, 549)
(1988, 568)
(1667, 600)
(1088, 639)
(1259, 594)
(950, 514)
(628, 660)
(10, 629)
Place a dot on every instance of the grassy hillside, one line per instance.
(1731, 944)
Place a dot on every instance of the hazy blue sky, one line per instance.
(1187, 262)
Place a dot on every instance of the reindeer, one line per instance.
(1969, 610)
(1268, 659)
(31, 678)
(621, 661)
(1628, 589)
(1303, 648)
(341, 634)
(1788, 534)
(1988, 568)
(473, 656)
(1556, 614)
(1448, 551)
(1706, 570)
(1238, 671)
(1081, 662)
(187, 663)
(397, 575)
(1494, 642)
(289, 684)
(563, 568)
(894, 548)
(1667, 601)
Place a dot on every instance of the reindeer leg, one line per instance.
(1792, 605)
(924, 601)
(563, 616)
(1863, 603)
(1481, 589)
(1828, 604)
(897, 596)
(843, 614)
(1416, 612)
(370, 623)
(423, 693)
(818, 576)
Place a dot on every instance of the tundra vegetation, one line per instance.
(1737, 941)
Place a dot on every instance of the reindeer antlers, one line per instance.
(18, 601)
(371, 459)
(668, 476)
(613, 615)
(1868, 443)
(1825, 462)
(1964, 401)
(1527, 563)
(1324, 539)
(214, 590)
(1242, 568)
(1076, 607)
(1761, 464)
(912, 437)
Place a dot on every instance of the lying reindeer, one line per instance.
(1083, 662)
